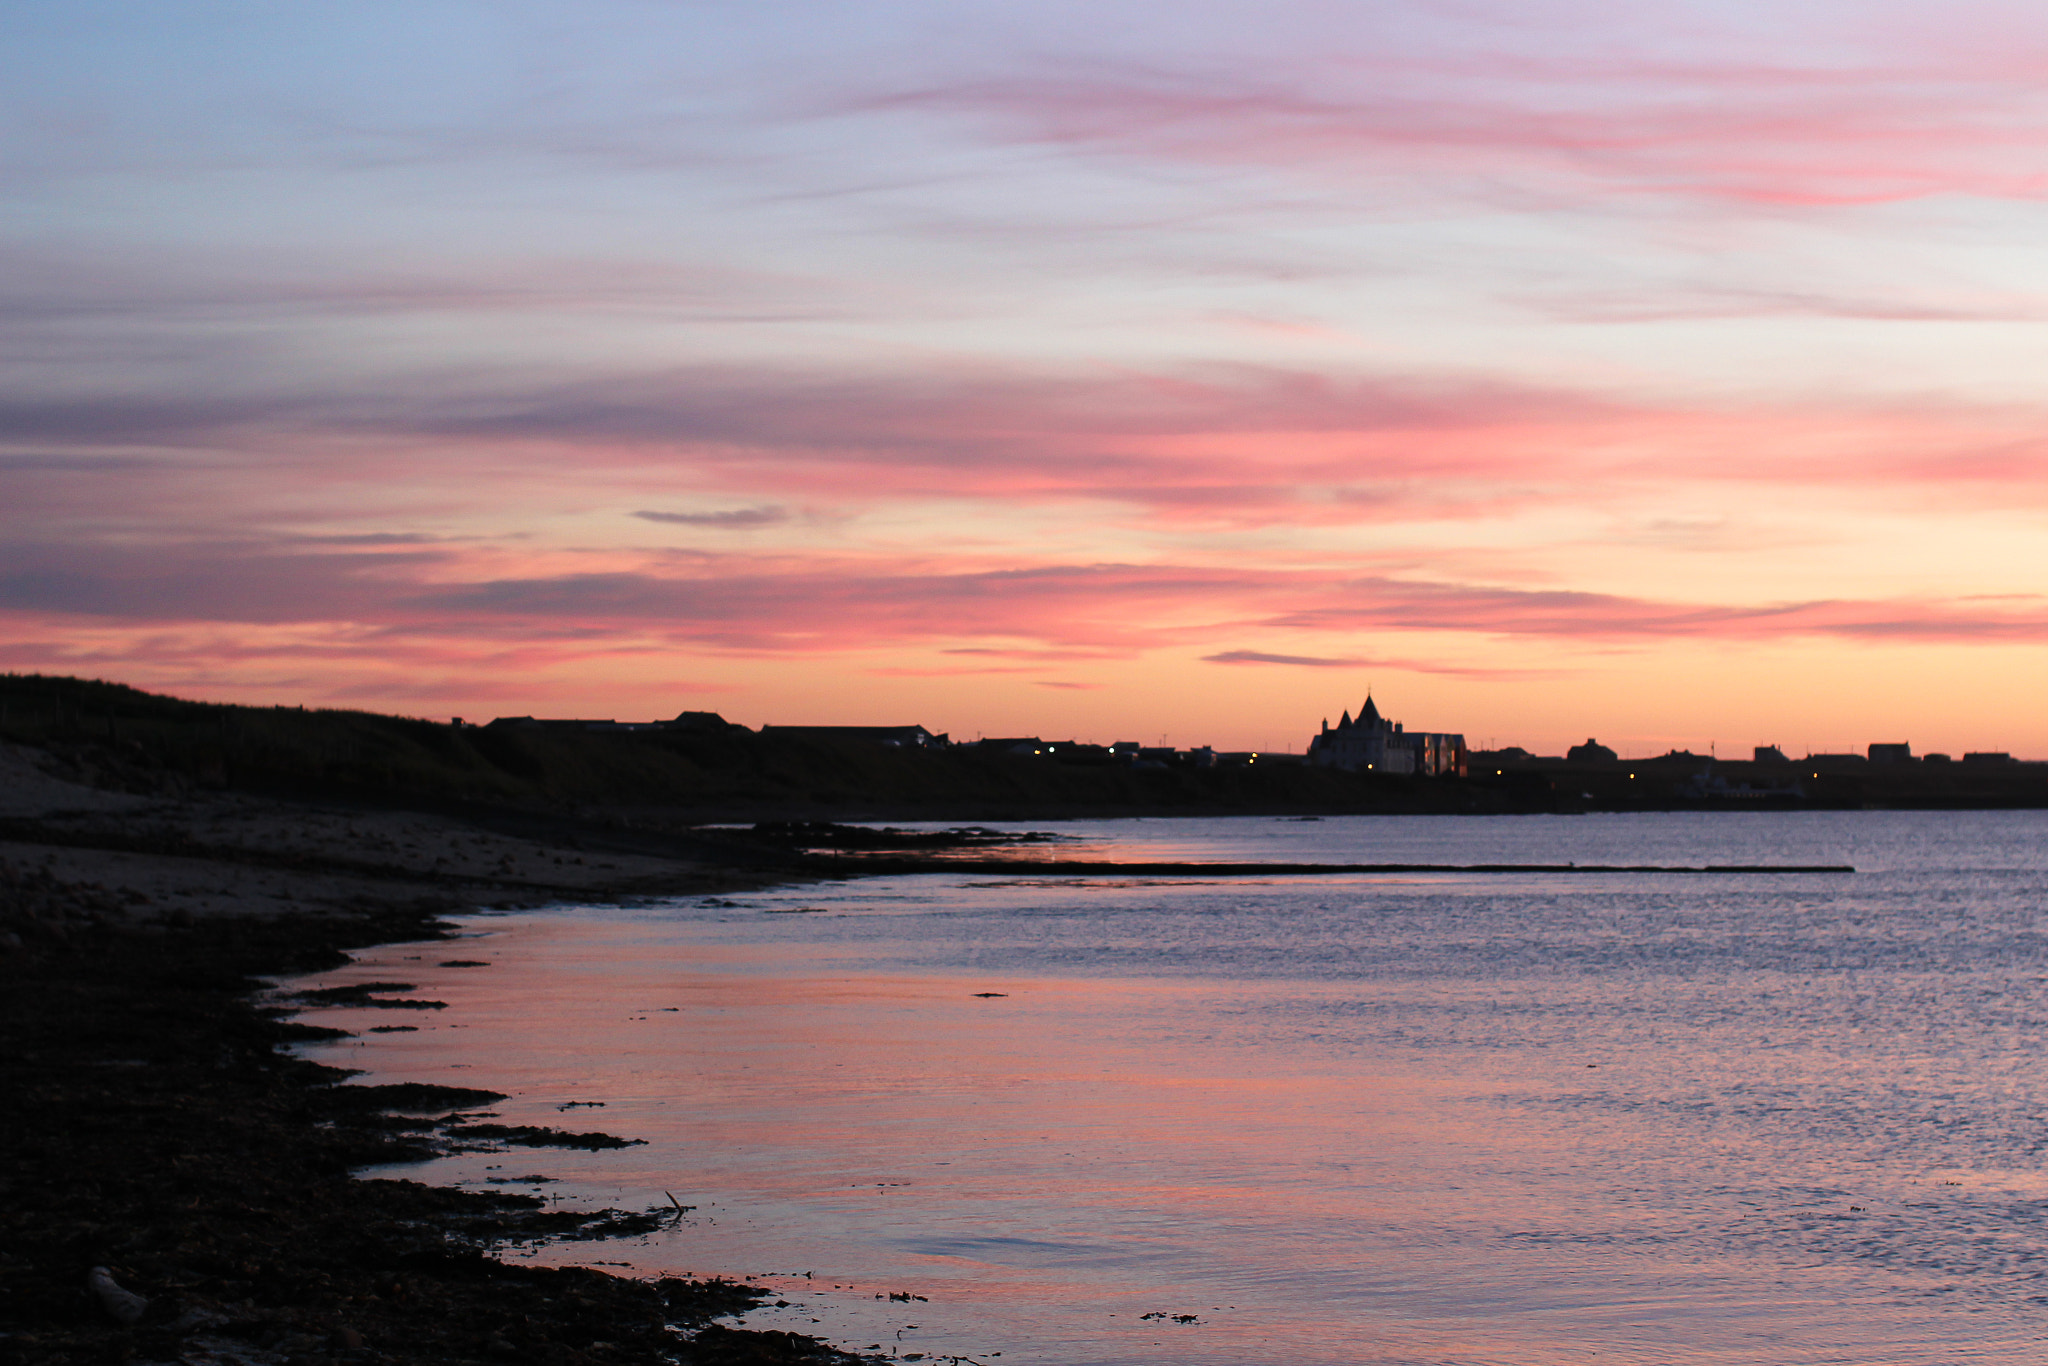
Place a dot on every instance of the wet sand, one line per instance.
(179, 1190)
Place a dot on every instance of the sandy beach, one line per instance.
(180, 1189)
(170, 858)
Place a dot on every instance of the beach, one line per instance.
(180, 1190)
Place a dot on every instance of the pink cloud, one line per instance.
(1260, 657)
(947, 673)
(1384, 603)
(1401, 665)
(800, 607)
(1765, 128)
(1039, 656)
(735, 519)
(1672, 303)
(1213, 446)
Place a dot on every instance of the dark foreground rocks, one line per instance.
(150, 1127)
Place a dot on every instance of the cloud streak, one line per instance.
(1214, 444)
(736, 519)
(1414, 666)
(1299, 661)
(1049, 611)
(1755, 128)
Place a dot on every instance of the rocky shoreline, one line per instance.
(178, 1188)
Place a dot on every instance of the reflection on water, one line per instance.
(1400, 1119)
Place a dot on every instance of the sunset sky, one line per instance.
(1672, 373)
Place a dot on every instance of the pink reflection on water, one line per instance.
(1050, 1165)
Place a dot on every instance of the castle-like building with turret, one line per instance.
(1374, 744)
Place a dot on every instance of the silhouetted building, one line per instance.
(1374, 744)
(688, 721)
(1066, 751)
(1074, 752)
(1891, 754)
(1987, 756)
(705, 722)
(889, 737)
(1592, 752)
(1769, 754)
(1013, 744)
(568, 723)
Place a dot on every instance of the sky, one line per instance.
(1669, 374)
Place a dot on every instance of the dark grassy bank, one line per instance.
(118, 736)
(107, 734)
(149, 1125)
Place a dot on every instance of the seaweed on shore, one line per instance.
(179, 1189)
(532, 1136)
(410, 1096)
(373, 994)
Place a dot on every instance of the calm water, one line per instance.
(1427, 1119)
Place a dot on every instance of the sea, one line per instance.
(1518, 1119)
